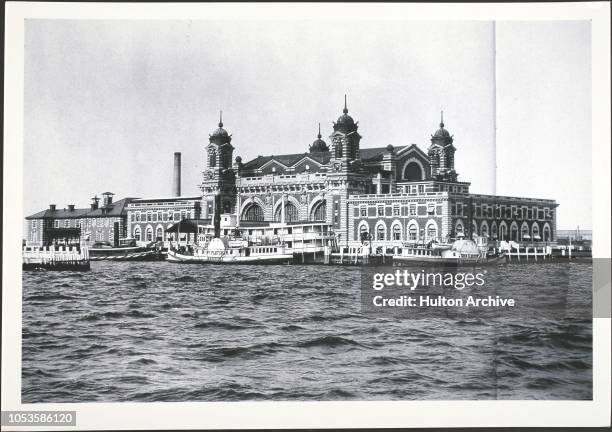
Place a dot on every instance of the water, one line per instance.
(166, 332)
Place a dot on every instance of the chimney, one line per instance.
(94, 202)
(108, 199)
(176, 181)
(52, 207)
(70, 207)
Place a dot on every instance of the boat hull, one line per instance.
(446, 261)
(124, 254)
(175, 257)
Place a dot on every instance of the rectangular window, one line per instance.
(478, 212)
(149, 217)
(412, 210)
(459, 209)
(540, 214)
(421, 189)
(66, 223)
(363, 212)
(431, 208)
(154, 217)
(380, 211)
(56, 224)
(396, 210)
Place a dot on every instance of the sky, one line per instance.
(107, 103)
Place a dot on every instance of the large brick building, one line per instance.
(86, 226)
(395, 193)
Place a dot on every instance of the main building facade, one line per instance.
(391, 195)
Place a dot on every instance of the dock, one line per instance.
(58, 258)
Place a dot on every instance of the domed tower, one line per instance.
(219, 179)
(442, 154)
(318, 145)
(219, 149)
(345, 139)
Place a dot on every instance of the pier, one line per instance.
(55, 258)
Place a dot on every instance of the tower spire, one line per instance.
(441, 119)
(345, 110)
(220, 118)
(319, 135)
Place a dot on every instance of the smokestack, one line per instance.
(71, 207)
(176, 183)
(52, 207)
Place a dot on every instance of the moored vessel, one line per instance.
(461, 252)
(223, 251)
(127, 249)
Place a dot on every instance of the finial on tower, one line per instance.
(220, 118)
(345, 110)
(319, 135)
(441, 119)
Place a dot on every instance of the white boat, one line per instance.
(460, 252)
(224, 251)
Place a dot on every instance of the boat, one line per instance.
(225, 251)
(127, 249)
(461, 252)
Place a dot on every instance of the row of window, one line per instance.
(396, 210)
(85, 223)
(420, 189)
(160, 215)
(503, 233)
(412, 233)
(509, 212)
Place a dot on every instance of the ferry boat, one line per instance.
(460, 252)
(225, 251)
(126, 250)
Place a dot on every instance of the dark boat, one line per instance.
(126, 250)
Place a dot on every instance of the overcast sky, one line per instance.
(107, 103)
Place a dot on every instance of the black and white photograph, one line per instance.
(327, 207)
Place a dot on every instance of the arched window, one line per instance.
(149, 234)
(535, 232)
(212, 158)
(137, 233)
(413, 232)
(514, 233)
(159, 234)
(319, 212)
(546, 233)
(484, 230)
(432, 231)
(459, 229)
(291, 213)
(525, 232)
(363, 232)
(503, 232)
(380, 232)
(253, 212)
(397, 232)
(413, 172)
(494, 230)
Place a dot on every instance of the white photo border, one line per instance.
(349, 414)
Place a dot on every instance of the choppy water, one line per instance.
(165, 332)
